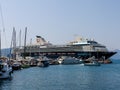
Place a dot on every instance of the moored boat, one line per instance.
(43, 62)
(69, 60)
(5, 70)
(16, 66)
(93, 63)
(5, 67)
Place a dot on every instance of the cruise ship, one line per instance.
(79, 48)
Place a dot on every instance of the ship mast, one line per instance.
(25, 43)
(14, 42)
(13, 45)
(20, 38)
(30, 46)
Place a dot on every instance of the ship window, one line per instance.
(92, 42)
(1, 67)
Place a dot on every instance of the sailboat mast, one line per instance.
(14, 43)
(0, 44)
(25, 43)
(20, 39)
(30, 46)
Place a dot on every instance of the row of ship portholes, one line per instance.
(34, 54)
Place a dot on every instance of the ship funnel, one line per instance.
(40, 40)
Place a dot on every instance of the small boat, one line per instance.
(16, 66)
(43, 62)
(92, 63)
(69, 60)
(5, 70)
(33, 62)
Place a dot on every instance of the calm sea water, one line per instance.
(66, 77)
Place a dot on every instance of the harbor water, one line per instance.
(65, 77)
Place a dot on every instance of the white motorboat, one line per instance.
(93, 62)
(5, 70)
(69, 60)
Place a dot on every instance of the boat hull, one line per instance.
(5, 74)
(85, 54)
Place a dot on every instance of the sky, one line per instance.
(60, 21)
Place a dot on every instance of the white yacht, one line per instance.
(5, 70)
(92, 62)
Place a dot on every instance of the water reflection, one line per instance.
(65, 77)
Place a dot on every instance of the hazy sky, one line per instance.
(59, 21)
